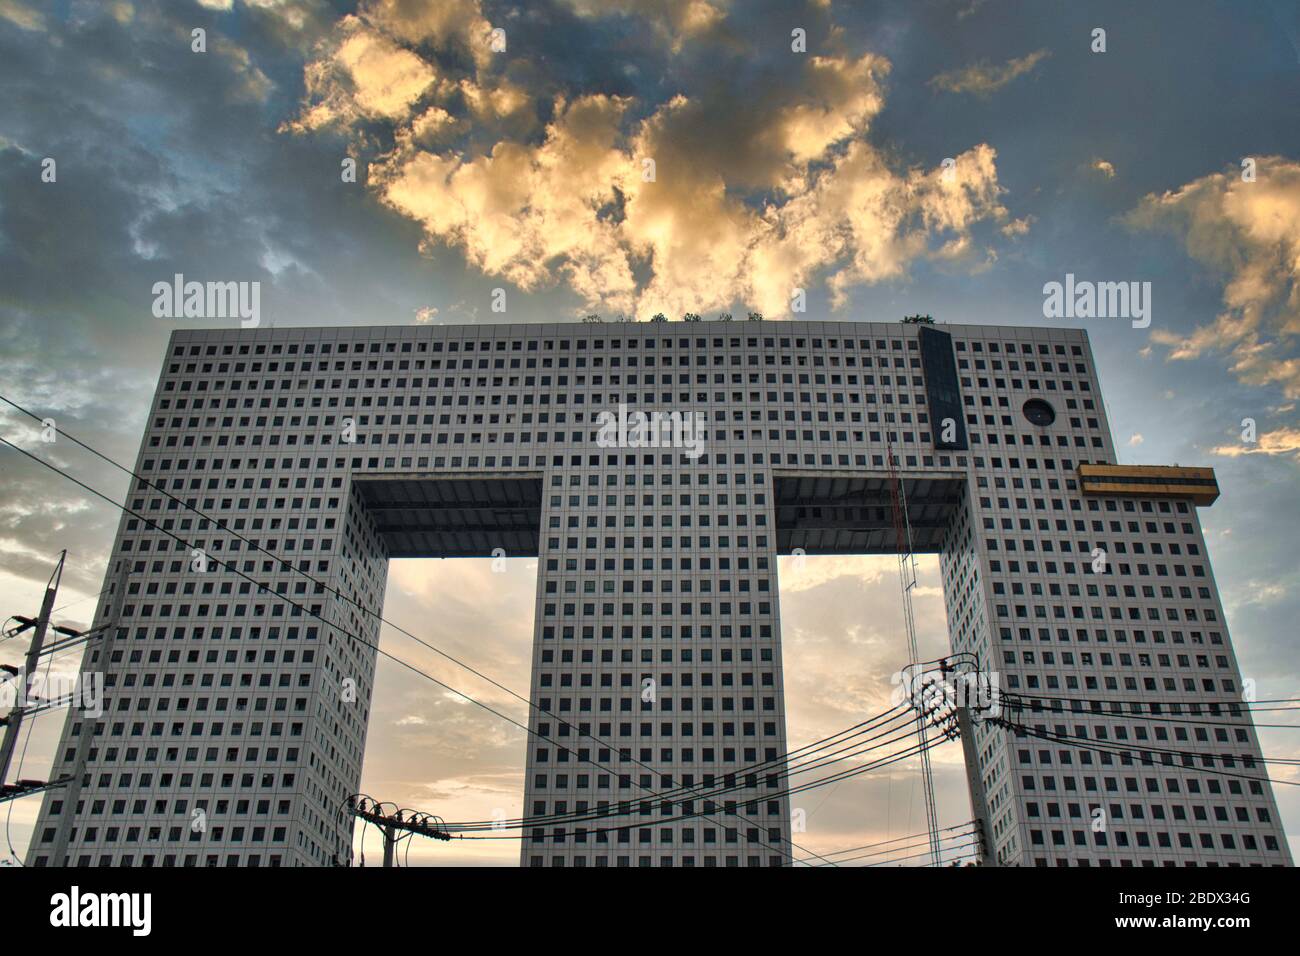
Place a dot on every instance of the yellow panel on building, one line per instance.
(1150, 481)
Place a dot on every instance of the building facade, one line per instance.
(235, 719)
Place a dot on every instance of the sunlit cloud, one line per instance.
(983, 79)
(675, 20)
(23, 15)
(1248, 232)
(1281, 442)
(637, 208)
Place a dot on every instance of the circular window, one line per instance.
(1039, 412)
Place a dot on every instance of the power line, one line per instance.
(1012, 701)
(910, 836)
(598, 813)
(1230, 703)
(710, 796)
(900, 849)
(841, 858)
(855, 771)
(744, 771)
(967, 846)
(817, 762)
(1114, 748)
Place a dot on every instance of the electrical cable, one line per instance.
(1201, 703)
(816, 763)
(1011, 702)
(1113, 749)
(745, 771)
(910, 836)
(914, 856)
(907, 846)
(910, 751)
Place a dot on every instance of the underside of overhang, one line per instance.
(475, 515)
(852, 512)
(455, 515)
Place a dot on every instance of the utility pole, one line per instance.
(14, 721)
(86, 739)
(390, 842)
(978, 797)
(968, 697)
(391, 823)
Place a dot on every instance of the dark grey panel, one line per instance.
(942, 388)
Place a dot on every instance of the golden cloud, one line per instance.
(1281, 441)
(1018, 227)
(520, 211)
(692, 205)
(418, 21)
(675, 20)
(22, 15)
(364, 75)
(1105, 167)
(1249, 232)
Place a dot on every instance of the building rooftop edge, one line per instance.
(414, 329)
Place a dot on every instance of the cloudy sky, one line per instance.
(625, 157)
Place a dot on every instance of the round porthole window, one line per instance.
(1039, 412)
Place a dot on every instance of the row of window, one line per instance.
(471, 342)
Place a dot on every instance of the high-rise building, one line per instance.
(235, 719)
